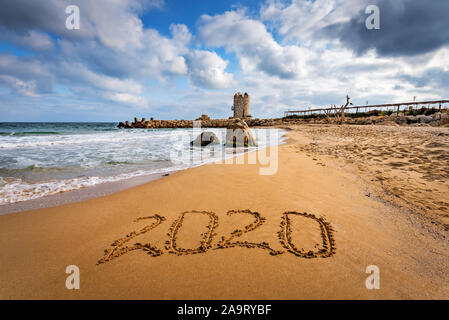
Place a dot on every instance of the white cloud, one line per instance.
(163, 56)
(181, 34)
(27, 88)
(207, 69)
(252, 43)
(84, 75)
(300, 19)
(129, 99)
(32, 39)
(25, 76)
(115, 22)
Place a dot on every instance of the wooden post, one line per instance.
(397, 112)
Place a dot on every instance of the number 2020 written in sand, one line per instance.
(327, 248)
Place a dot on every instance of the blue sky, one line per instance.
(176, 59)
(177, 11)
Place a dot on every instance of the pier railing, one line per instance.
(395, 107)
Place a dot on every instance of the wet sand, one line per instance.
(223, 231)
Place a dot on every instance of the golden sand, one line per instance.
(338, 203)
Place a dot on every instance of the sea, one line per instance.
(41, 159)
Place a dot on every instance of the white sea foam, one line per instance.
(19, 190)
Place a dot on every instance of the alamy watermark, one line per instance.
(72, 22)
(373, 280)
(373, 20)
(73, 280)
(265, 154)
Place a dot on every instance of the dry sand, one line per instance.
(374, 223)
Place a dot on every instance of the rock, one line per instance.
(444, 118)
(388, 123)
(203, 117)
(205, 139)
(401, 119)
(359, 121)
(424, 119)
(411, 119)
(121, 125)
(420, 125)
(436, 116)
(368, 121)
(139, 125)
(238, 134)
(379, 119)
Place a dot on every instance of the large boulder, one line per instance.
(439, 119)
(388, 123)
(369, 120)
(204, 117)
(401, 119)
(436, 116)
(238, 134)
(424, 119)
(412, 119)
(205, 139)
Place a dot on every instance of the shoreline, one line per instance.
(411, 253)
(77, 195)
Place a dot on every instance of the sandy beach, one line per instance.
(373, 195)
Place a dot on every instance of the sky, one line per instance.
(177, 59)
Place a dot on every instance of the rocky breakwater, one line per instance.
(204, 121)
(434, 120)
(147, 124)
(437, 119)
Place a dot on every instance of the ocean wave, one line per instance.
(118, 137)
(30, 133)
(70, 140)
(106, 129)
(8, 172)
(17, 190)
(114, 163)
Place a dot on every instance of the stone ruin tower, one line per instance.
(241, 105)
